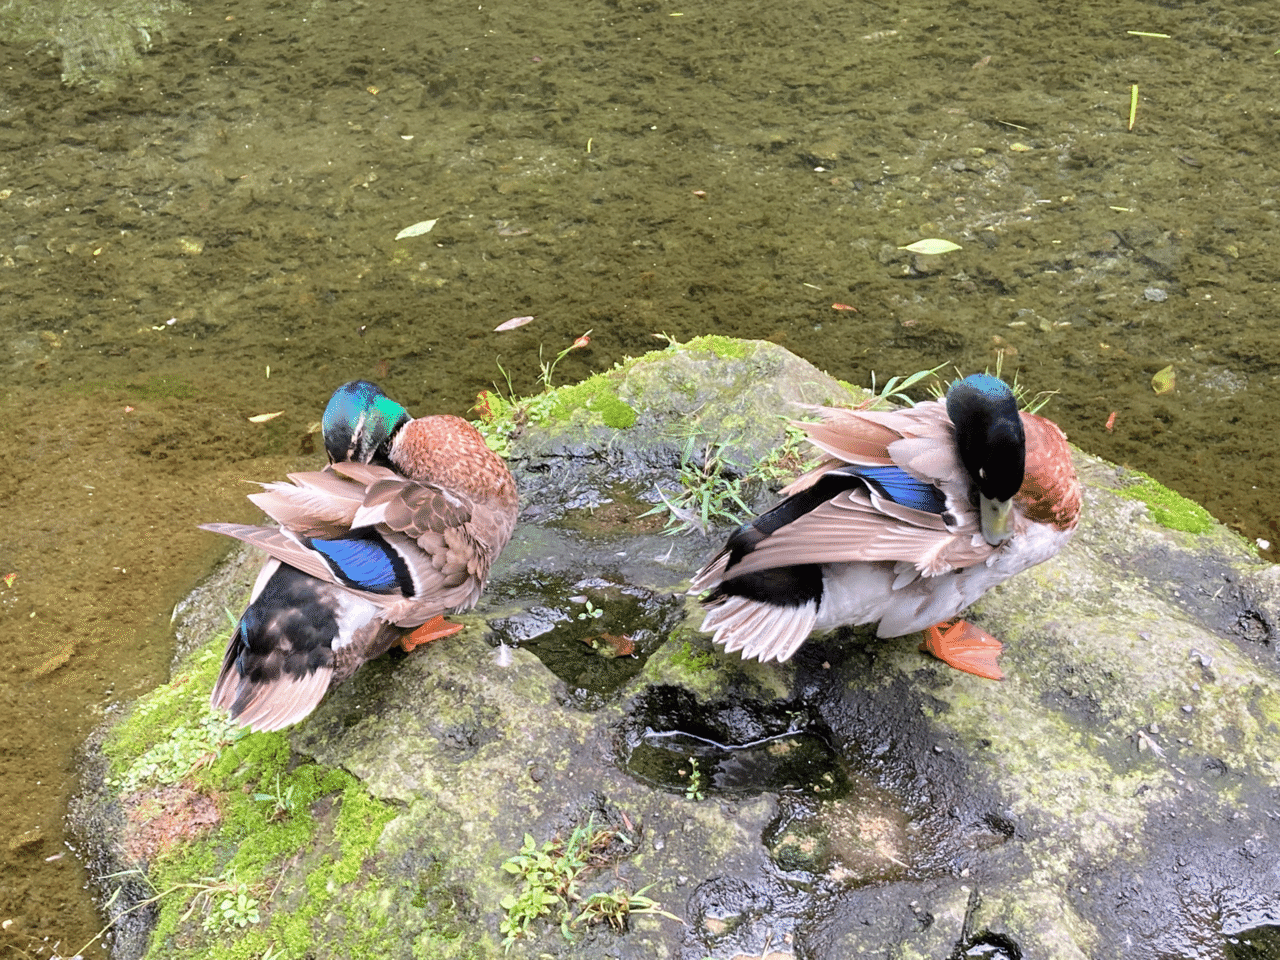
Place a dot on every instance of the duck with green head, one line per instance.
(399, 529)
(913, 515)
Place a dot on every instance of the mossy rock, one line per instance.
(644, 411)
(1110, 798)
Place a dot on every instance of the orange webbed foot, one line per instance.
(966, 648)
(433, 629)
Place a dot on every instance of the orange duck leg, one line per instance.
(965, 647)
(433, 629)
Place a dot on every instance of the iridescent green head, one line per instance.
(992, 446)
(360, 422)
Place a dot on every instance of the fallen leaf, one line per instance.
(264, 417)
(512, 324)
(843, 306)
(1163, 381)
(931, 247)
(417, 229)
(610, 645)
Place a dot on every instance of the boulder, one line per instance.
(581, 773)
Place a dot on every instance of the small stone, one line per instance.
(26, 839)
(1155, 294)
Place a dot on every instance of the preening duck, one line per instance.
(399, 529)
(913, 515)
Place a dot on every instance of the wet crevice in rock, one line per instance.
(729, 748)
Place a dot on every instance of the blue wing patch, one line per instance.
(364, 561)
(897, 485)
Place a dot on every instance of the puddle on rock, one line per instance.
(1259, 943)
(594, 634)
(730, 748)
(862, 837)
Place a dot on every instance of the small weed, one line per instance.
(892, 391)
(592, 612)
(786, 461)
(284, 802)
(709, 495)
(696, 790)
(613, 907)
(549, 368)
(236, 908)
(550, 874)
(1030, 402)
(187, 748)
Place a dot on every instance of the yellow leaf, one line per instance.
(264, 417)
(1164, 380)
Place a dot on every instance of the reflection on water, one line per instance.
(213, 238)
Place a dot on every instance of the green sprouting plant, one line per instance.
(592, 612)
(187, 748)
(1030, 402)
(696, 790)
(613, 907)
(283, 801)
(710, 494)
(548, 368)
(549, 875)
(543, 884)
(236, 908)
(786, 461)
(892, 391)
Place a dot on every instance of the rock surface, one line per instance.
(1115, 796)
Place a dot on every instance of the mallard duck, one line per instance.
(400, 528)
(913, 515)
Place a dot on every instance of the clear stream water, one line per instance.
(212, 237)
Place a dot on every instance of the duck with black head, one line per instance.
(911, 517)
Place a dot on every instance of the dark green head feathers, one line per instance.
(360, 422)
(992, 446)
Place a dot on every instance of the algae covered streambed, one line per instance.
(209, 236)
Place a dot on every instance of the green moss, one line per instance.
(281, 818)
(695, 661)
(617, 414)
(730, 348)
(134, 745)
(502, 418)
(1167, 508)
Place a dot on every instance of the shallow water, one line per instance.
(213, 238)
